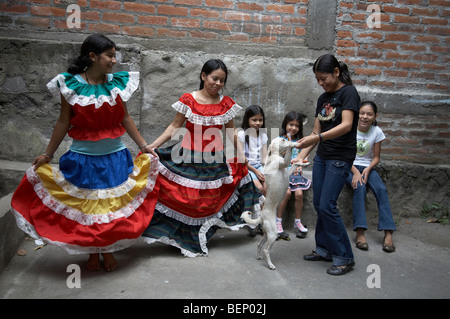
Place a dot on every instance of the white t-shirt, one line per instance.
(364, 145)
(253, 150)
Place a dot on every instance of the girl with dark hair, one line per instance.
(98, 200)
(200, 189)
(292, 130)
(363, 175)
(334, 131)
(254, 143)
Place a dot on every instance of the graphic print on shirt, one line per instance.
(327, 113)
(362, 147)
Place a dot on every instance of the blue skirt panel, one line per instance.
(96, 172)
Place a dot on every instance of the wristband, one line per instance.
(47, 155)
(321, 137)
(141, 147)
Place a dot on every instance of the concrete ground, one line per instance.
(420, 268)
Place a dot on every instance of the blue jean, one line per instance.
(332, 241)
(376, 185)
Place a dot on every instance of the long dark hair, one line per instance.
(251, 111)
(374, 108)
(212, 65)
(96, 43)
(293, 116)
(327, 63)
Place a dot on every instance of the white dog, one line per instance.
(277, 181)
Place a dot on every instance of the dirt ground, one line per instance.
(431, 233)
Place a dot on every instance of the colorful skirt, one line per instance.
(298, 181)
(90, 204)
(197, 196)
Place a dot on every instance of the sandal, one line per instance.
(362, 246)
(387, 247)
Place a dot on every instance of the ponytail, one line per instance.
(327, 63)
(79, 65)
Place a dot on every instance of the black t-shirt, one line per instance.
(329, 111)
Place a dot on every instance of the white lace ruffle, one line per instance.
(73, 98)
(25, 226)
(180, 180)
(90, 219)
(206, 120)
(200, 221)
(94, 194)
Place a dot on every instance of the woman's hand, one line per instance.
(307, 141)
(41, 159)
(149, 149)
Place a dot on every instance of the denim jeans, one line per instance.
(332, 242)
(376, 185)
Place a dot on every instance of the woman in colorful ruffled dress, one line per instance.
(200, 189)
(98, 200)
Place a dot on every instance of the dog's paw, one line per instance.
(271, 266)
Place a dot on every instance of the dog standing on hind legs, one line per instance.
(277, 181)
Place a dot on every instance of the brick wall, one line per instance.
(422, 139)
(408, 51)
(275, 22)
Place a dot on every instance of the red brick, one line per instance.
(434, 21)
(250, 6)
(119, 17)
(205, 13)
(264, 40)
(189, 2)
(172, 11)
(109, 5)
(278, 29)
(4, 7)
(235, 15)
(104, 27)
(47, 11)
(139, 31)
(369, 72)
(346, 43)
(280, 8)
(219, 3)
(407, 19)
(397, 37)
(171, 33)
(203, 35)
(139, 7)
(344, 34)
(153, 20)
(217, 25)
(185, 23)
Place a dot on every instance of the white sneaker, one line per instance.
(300, 227)
(279, 226)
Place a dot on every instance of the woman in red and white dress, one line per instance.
(200, 189)
(98, 200)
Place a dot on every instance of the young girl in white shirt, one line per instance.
(254, 143)
(363, 176)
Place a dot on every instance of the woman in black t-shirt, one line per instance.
(335, 131)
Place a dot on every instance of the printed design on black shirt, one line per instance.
(327, 113)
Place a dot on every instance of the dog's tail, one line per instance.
(246, 217)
